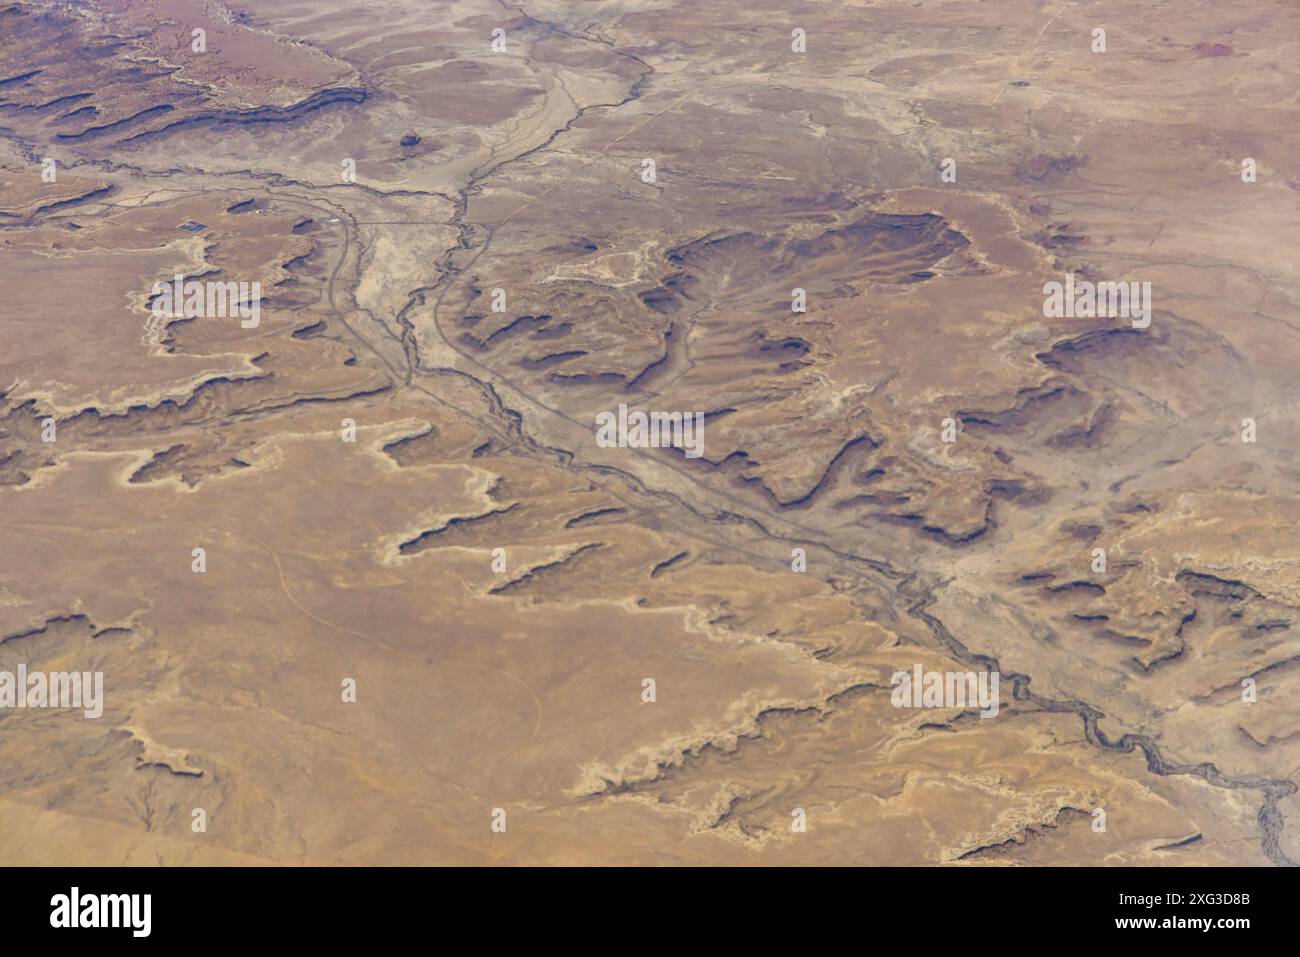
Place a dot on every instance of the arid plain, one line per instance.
(433, 620)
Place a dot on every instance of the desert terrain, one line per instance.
(365, 586)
